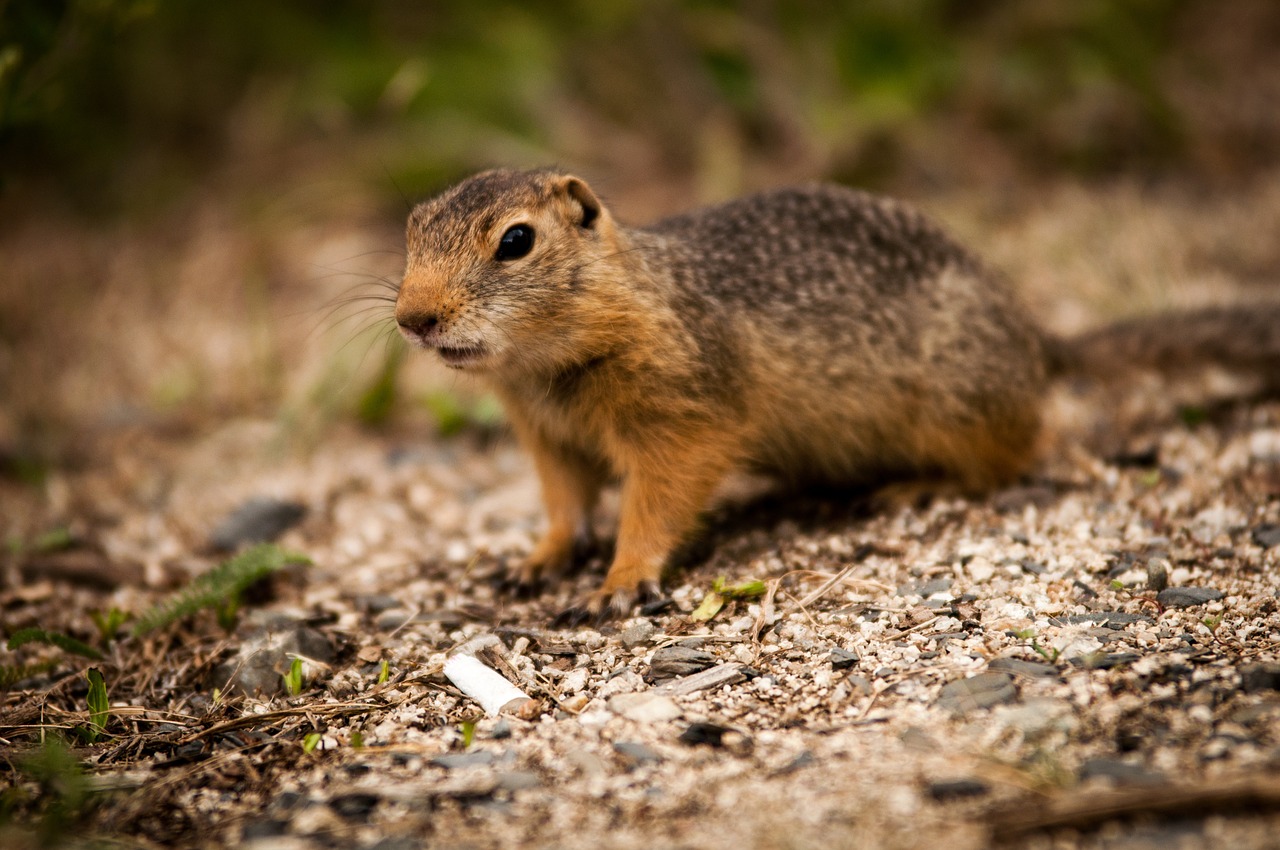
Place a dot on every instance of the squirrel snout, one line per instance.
(421, 327)
(418, 324)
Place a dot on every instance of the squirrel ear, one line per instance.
(580, 192)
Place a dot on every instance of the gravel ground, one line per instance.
(1089, 660)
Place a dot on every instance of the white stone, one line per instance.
(645, 707)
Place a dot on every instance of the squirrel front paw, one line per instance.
(555, 554)
(605, 604)
(626, 585)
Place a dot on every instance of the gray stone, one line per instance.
(1085, 590)
(392, 619)
(637, 634)
(729, 673)
(926, 589)
(672, 661)
(1110, 619)
(355, 806)
(805, 759)
(843, 659)
(260, 828)
(1186, 597)
(715, 735)
(256, 521)
(1120, 772)
(1263, 676)
(636, 754)
(376, 603)
(1104, 660)
(981, 691)
(918, 739)
(1267, 535)
(456, 761)
(1038, 716)
(518, 780)
(1026, 669)
(862, 683)
(264, 658)
(1249, 714)
(645, 707)
(1157, 574)
(957, 789)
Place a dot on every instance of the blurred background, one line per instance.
(197, 197)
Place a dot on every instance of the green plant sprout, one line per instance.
(721, 593)
(109, 624)
(99, 706)
(293, 680)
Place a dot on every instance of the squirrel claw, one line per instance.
(605, 605)
(519, 581)
(518, 587)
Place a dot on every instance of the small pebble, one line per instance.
(1119, 772)
(1157, 574)
(1186, 597)
(636, 754)
(455, 761)
(715, 735)
(637, 634)
(517, 780)
(1267, 535)
(356, 806)
(843, 659)
(256, 521)
(672, 661)
(1019, 667)
(981, 691)
(1262, 676)
(957, 789)
(645, 707)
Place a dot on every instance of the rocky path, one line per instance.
(1089, 660)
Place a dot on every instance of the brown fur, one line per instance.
(815, 333)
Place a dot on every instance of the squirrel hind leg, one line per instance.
(985, 456)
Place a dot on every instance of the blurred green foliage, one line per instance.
(50, 798)
(102, 93)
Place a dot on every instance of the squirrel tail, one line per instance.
(1244, 338)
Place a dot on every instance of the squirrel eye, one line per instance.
(515, 243)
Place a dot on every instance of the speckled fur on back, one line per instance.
(867, 343)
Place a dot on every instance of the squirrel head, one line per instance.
(503, 267)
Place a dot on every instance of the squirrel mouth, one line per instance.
(460, 356)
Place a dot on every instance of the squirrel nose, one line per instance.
(418, 323)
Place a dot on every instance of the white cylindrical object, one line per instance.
(483, 684)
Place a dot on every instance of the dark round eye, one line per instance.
(515, 243)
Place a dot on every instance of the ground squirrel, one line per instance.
(817, 334)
